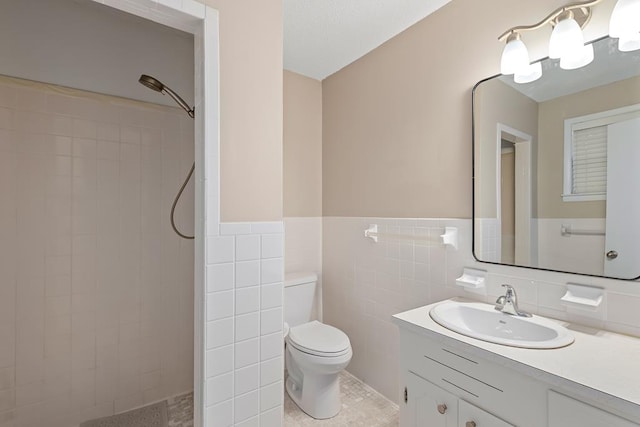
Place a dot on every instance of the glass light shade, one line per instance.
(532, 73)
(515, 57)
(630, 42)
(625, 18)
(566, 37)
(578, 58)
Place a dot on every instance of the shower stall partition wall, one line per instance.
(102, 288)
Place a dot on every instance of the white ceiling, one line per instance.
(323, 36)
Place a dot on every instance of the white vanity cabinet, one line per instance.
(429, 405)
(445, 386)
(567, 412)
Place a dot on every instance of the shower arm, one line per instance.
(190, 111)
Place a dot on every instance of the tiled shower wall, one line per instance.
(96, 292)
(365, 283)
(244, 344)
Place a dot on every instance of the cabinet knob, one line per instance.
(442, 408)
(470, 424)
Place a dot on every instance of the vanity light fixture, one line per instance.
(567, 39)
(625, 24)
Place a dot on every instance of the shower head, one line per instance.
(151, 83)
(155, 84)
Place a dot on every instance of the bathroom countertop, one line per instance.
(600, 365)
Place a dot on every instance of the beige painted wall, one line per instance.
(250, 109)
(552, 115)
(302, 146)
(397, 122)
(514, 110)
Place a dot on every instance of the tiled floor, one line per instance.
(180, 410)
(362, 406)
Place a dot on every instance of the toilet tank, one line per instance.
(299, 293)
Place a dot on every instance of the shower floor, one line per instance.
(180, 410)
(362, 406)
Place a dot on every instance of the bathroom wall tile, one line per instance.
(85, 129)
(271, 346)
(247, 353)
(247, 300)
(272, 246)
(219, 389)
(219, 361)
(130, 135)
(247, 273)
(7, 349)
(271, 321)
(219, 333)
(623, 309)
(7, 378)
(251, 422)
(220, 414)
(247, 247)
(246, 379)
(271, 296)
(7, 399)
(271, 396)
(267, 227)
(230, 229)
(246, 406)
(271, 371)
(219, 305)
(272, 271)
(220, 249)
(271, 418)
(247, 326)
(220, 277)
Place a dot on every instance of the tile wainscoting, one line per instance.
(244, 345)
(364, 283)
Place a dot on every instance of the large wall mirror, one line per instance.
(557, 167)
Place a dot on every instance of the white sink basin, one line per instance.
(483, 322)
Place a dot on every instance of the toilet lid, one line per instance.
(315, 337)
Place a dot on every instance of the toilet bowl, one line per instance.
(315, 353)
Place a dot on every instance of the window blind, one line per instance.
(589, 161)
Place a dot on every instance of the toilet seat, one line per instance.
(318, 339)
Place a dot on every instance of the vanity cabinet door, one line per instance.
(472, 416)
(428, 405)
(567, 412)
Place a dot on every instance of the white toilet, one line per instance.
(315, 352)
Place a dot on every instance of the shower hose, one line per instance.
(175, 202)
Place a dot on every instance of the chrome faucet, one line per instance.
(508, 303)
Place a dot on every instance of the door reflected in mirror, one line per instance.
(557, 167)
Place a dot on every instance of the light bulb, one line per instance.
(630, 42)
(625, 18)
(566, 37)
(532, 73)
(577, 58)
(515, 56)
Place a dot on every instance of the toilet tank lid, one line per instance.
(294, 279)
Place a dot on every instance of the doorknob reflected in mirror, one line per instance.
(442, 408)
(612, 255)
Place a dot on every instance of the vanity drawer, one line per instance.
(482, 383)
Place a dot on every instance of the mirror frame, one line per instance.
(473, 195)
